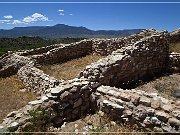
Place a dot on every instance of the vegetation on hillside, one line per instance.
(24, 43)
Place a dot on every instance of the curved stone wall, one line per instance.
(68, 100)
(146, 57)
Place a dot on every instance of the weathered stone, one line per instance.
(157, 129)
(35, 102)
(155, 104)
(176, 113)
(135, 98)
(150, 111)
(162, 116)
(13, 126)
(44, 98)
(167, 108)
(155, 121)
(174, 122)
(78, 103)
(145, 101)
(65, 96)
(140, 113)
(125, 96)
(57, 90)
(12, 114)
(113, 105)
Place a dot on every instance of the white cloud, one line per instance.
(35, 17)
(62, 14)
(29, 19)
(8, 16)
(5, 21)
(17, 22)
(61, 10)
(70, 14)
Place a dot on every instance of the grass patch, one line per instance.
(11, 98)
(165, 85)
(70, 69)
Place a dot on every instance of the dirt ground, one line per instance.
(13, 96)
(70, 69)
(166, 86)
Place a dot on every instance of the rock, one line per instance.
(167, 108)
(176, 93)
(12, 114)
(127, 113)
(44, 98)
(162, 116)
(174, 122)
(57, 90)
(65, 96)
(140, 113)
(135, 99)
(78, 103)
(176, 113)
(157, 129)
(112, 105)
(155, 103)
(50, 96)
(150, 111)
(125, 96)
(145, 101)
(13, 126)
(35, 102)
(155, 121)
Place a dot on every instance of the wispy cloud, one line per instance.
(8, 16)
(70, 14)
(62, 14)
(61, 10)
(5, 21)
(26, 20)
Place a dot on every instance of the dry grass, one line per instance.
(11, 98)
(70, 69)
(175, 47)
(165, 85)
(99, 125)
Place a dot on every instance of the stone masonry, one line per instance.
(141, 55)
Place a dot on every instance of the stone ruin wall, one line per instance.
(146, 57)
(67, 100)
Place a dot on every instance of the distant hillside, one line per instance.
(23, 43)
(61, 31)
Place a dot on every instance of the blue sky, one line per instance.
(93, 16)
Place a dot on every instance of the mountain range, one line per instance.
(62, 31)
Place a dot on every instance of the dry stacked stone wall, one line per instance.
(146, 57)
(63, 101)
(35, 79)
(64, 53)
(174, 61)
(148, 110)
(107, 46)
